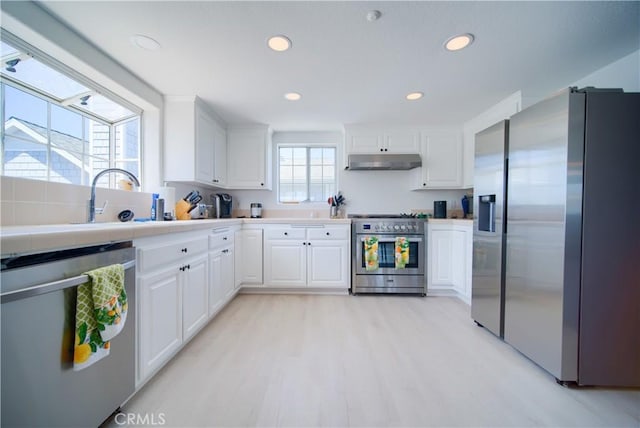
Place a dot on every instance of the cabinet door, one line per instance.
(228, 276)
(285, 263)
(405, 141)
(252, 260)
(160, 319)
(441, 266)
(364, 141)
(216, 289)
(442, 161)
(328, 263)
(195, 293)
(205, 149)
(220, 156)
(247, 152)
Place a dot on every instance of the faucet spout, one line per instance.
(91, 212)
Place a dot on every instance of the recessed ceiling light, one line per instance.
(292, 96)
(145, 42)
(414, 96)
(373, 15)
(458, 42)
(279, 43)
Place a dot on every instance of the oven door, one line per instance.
(386, 256)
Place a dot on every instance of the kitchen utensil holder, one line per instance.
(333, 212)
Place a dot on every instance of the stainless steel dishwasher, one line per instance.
(39, 386)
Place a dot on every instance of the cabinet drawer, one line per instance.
(285, 233)
(221, 239)
(329, 233)
(165, 254)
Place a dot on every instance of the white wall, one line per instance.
(623, 73)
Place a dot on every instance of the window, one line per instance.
(306, 173)
(59, 129)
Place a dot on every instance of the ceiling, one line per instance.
(350, 70)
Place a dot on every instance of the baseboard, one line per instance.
(297, 290)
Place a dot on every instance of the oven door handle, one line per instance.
(417, 239)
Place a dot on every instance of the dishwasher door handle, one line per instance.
(61, 284)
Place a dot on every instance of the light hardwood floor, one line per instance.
(367, 361)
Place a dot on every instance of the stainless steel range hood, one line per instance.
(388, 161)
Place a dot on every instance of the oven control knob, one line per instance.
(396, 227)
(403, 227)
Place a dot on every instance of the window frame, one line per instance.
(306, 146)
(137, 113)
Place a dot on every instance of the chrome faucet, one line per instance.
(91, 209)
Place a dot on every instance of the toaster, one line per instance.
(200, 211)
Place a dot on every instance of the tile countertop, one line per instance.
(18, 240)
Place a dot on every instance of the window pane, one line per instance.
(38, 75)
(127, 140)
(315, 155)
(286, 156)
(329, 156)
(300, 156)
(103, 107)
(24, 106)
(66, 122)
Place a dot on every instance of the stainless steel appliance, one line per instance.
(571, 295)
(386, 278)
(256, 210)
(39, 385)
(489, 187)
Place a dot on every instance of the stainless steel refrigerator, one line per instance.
(489, 188)
(572, 240)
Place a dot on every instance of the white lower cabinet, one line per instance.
(315, 257)
(449, 250)
(221, 268)
(160, 320)
(172, 282)
(249, 257)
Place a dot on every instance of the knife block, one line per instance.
(182, 210)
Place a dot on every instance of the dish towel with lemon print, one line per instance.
(101, 311)
(402, 252)
(371, 253)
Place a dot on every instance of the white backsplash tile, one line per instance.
(25, 190)
(33, 202)
(6, 189)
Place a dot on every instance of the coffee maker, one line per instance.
(222, 204)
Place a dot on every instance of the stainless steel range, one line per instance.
(388, 254)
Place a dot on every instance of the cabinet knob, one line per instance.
(224, 239)
(184, 250)
(382, 150)
(309, 243)
(188, 266)
(328, 234)
(424, 184)
(262, 184)
(286, 233)
(386, 150)
(304, 243)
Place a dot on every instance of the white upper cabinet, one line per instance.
(249, 157)
(375, 140)
(195, 143)
(442, 161)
